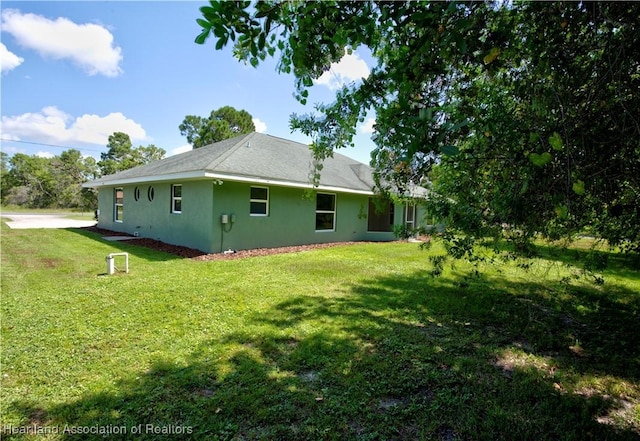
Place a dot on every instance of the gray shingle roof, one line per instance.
(254, 157)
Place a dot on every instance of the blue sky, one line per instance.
(73, 73)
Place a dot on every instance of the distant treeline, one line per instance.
(39, 182)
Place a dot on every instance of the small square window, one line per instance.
(259, 201)
(325, 212)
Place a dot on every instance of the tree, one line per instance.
(525, 116)
(122, 156)
(5, 183)
(119, 156)
(38, 182)
(151, 153)
(223, 123)
(69, 171)
(30, 181)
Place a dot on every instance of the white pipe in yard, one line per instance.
(111, 265)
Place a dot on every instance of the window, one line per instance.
(150, 194)
(136, 194)
(259, 201)
(325, 212)
(381, 214)
(410, 215)
(118, 208)
(176, 198)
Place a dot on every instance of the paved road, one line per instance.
(25, 221)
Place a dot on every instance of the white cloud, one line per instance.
(261, 126)
(350, 68)
(367, 126)
(88, 45)
(181, 149)
(8, 60)
(53, 126)
(42, 154)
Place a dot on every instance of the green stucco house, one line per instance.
(251, 191)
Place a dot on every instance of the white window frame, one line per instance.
(261, 201)
(410, 208)
(117, 204)
(333, 212)
(175, 198)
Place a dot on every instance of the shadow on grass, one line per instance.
(130, 247)
(599, 260)
(392, 358)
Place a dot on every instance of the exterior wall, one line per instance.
(290, 220)
(153, 218)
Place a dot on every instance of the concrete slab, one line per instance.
(27, 221)
(116, 238)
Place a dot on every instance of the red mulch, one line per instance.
(191, 253)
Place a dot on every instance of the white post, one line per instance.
(111, 266)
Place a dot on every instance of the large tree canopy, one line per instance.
(525, 117)
(121, 155)
(223, 123)
(39, 182)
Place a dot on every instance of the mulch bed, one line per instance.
(191, 253)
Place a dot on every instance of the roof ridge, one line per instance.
(220, 159)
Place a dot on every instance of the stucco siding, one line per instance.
(151, 215)
(290, 218)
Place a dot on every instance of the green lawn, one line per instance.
(351, 342)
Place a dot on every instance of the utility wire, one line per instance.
(50, 145)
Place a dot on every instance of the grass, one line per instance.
(352, 342)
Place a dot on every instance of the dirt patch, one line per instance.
(191, 253)
(38, 417)
(48, 263)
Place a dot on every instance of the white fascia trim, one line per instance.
(144, 179)
(224, 177)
